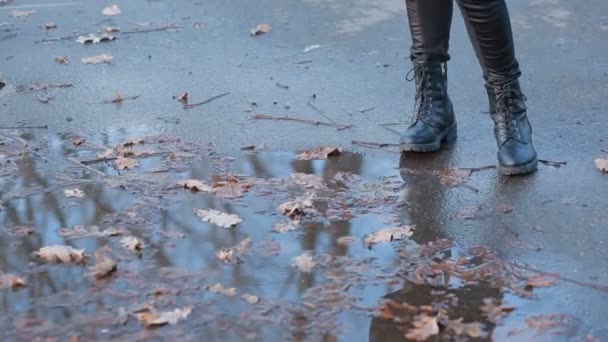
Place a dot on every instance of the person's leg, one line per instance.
(433, 118)
(489, 28)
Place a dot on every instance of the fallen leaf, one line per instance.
(219, 288)
(123, 163)
(11, 281)
(304, 262)
(320, 153)
(453, 177)
(251, 299)
(108, 153)
(111, 10)
(217, 217)
(132, 243)
(183, 98)
(286, 226)
(543, 280)
(104, 266)
(601, 164)
(230, 187)
(424, 327)
(298, 207)
(388, 235)
(21, 14)
(49, 25)
(235, 253)
(76, 192)
(94, 39)
(494, 310)
(260, 29)
(62, 59)
(195, 185)
(61, 254)
(103, 58)
(345, 240)
(308, 181)
(473, 330)
(150, 318)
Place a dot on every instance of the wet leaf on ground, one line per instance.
(304, 262)
(76, 193)
(123, 163)
(388, 235)
(320, 153)
(94, 39)
(494, 311)
(195, 185)
(251, 299)
(221, 289)
(297, 207)
(230, 186)
(453, 177)
(103, 267)
(473, 330)
(552, 323)
(308, 181)
(132, 243)
(286, 226)
(103, 58)
(61, 254)
(151, 318)
(424, 327)
(111, 10)
(217, 217)
(260, 29)
(8, 280)
(235, 253)
(49, 25)
(601, 164)
(543, 280)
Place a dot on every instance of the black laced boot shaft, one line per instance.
(512, 130)
(433, 120)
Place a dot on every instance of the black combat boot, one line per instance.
(512, 130)
(433, 121)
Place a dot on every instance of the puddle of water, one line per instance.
(354, 195)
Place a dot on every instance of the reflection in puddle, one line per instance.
(315, 279)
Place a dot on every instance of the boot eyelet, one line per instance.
(426, 118)
(517, 136)
(511, 108)
(514, 122)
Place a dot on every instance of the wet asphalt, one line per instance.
(555, 220)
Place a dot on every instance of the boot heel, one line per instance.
(450, 134)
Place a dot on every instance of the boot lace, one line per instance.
(423, 99)
(507, 125)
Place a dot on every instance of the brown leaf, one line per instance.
(62, 59)
(183, 98)
(61, 254)
(104, 266)
(217, 217)
(219, 288)
(473, 330)
(123, 163)
(494, 311)
(49, 25)
(235, 253)
(103, 58)
(150, 318)
(601, 164)
(132, 243)
(388, 235)
(304, 262)
(453, 177)
(298, 207)
(76, 192)
(260, 29)
(543, 280)
(320, 153)
(195, 185)
(308, 181)
(111, 10)
(424, 327)
(8, 280)
(230, 187)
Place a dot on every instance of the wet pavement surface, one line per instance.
(516, 258)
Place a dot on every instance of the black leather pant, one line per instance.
(489, 29)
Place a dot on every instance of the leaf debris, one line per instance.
(217, 217)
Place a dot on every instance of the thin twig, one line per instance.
(604, 150)
(376, 146)
(187, 106)
(101, 160)
(16, 138)
(390, 129)
(599, 287)
(552, 163)
(24, 127)
(394, 124)
(260, 116)
(74, 36)
(90, 169)
(480, 168)
(320, 112)
(120, 99)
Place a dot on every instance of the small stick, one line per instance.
(553, 163)
(480, 168)
(119, 99)
(90, 169)
(390, 129)
(372, 144)
(320, 112)
(599, 287)
(74, 36)
(604, 150)
(187, 106)
(24, 127)
(395, 124)
(260, 116)
(16, 138)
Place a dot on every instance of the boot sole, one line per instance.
(518, 170)
(446, 137)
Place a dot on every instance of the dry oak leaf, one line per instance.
(601, 164)
(235, 253)
(62, 59)
(304, 262)
(11, 281)
(132, 243)
(221, 289)
(76, 193)
(104, 266)
(103, 58)
(260, 29)
(123, 163)
(111, 10)
(195, 185)
(424, 327)
(217, 217)
(151, 318)
(61, 254)
(320, 153)
(388, 235)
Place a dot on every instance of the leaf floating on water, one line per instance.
(493, 309)
(235, 253)
(195, 185)
(123, 163)
(11, 281)
(94, 39)
(320, 153)
(219, 288)
(111, 10)
(304, 262)
(601, 164)
(104, 266)
(345, 240)
(251, 299)
(76, 193)
(473, 330)
(151, 318)
(453, 177)
(388, 235)
(308, 181)
(424, 327)
(231, 187)
(298, 207)
(103, 58)
(21, 14)
(132, 243)
(543, 280)
(260, 29)
(217, 217)
(61, 254)
(286, 226)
